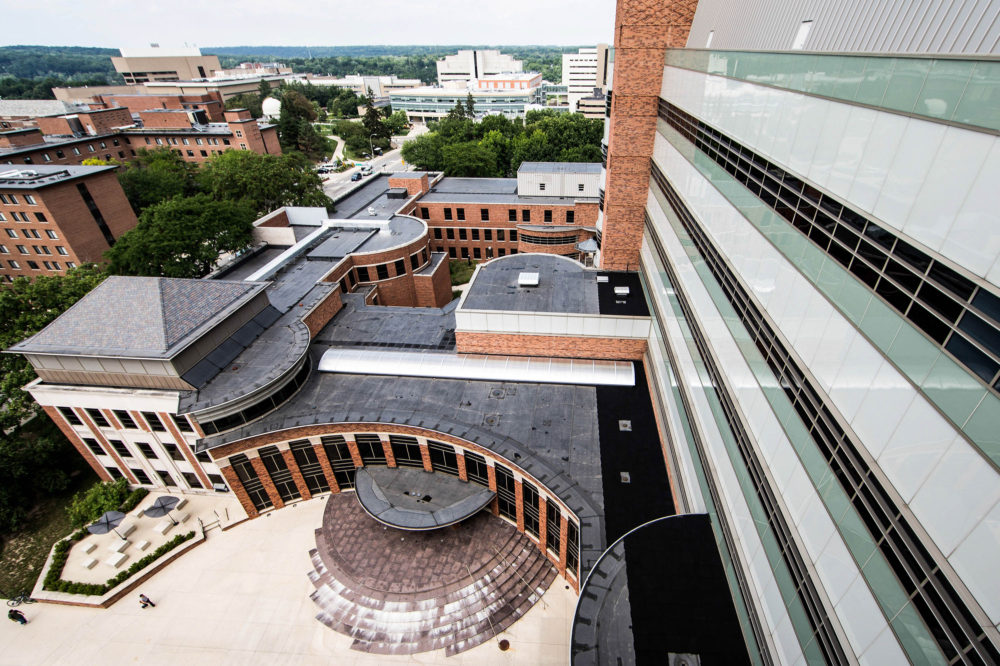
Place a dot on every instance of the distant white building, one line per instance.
(466, 66)
(380, 86)
(583, 71)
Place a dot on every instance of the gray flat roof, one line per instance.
(361, 326)
(560, 167)
(476, 185)
(564, 286)
(340, 243)
(496, 198)
(34, 176)
(411, 499)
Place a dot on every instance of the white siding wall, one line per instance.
(862, 26)
(934, 183)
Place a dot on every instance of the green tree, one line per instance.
(182, 237)
(249, 101)
(263, 90)
(397, 122)
(374, 121)
(263, 182)
(26, 307)
(295, 130)
(88, 505)
(156, 175)
(533, 147)
(424, 152)
(470, 107)
(469, 159)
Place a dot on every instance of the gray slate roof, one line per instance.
(140, 317)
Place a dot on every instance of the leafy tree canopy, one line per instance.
(264, 182)
(182, 237)
(543, 136)
(156, 175)
(26, 307)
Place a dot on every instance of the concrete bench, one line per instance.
(116, 560)
(89, 548)
(90, 563)
(126, 529)
(183, 518)
(163, 527)
(142, 545)
(118, 546)
(140, 513)
(181, 504)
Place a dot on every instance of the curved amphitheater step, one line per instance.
(398, 592)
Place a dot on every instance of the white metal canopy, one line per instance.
(585, 372)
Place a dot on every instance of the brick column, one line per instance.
(96, 432)
(519, 505)
(324, 463)
(491, 477)
(463, 472)
(293, 467)
(237, 487)
(563, 538)
(425, 455)
(543, 523)
(112, 419)
(185, 449)
(77, 443)
(140, 421)
(390, 458)
(353, 447)
(643, 30)
(265, 480)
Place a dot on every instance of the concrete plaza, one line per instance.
(243, 598)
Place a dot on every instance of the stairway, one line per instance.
(459, 593)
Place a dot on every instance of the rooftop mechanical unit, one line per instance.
(527, 279)
(621, 291)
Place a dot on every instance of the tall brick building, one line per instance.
(55, 218)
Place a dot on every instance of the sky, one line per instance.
(118, 23)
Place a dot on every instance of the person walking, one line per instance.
(145, 602)
(15, 615)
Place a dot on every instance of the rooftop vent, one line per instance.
(621, 291)
(527, 279)
(602, 278)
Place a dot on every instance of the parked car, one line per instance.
(366, 170)
(356, 176)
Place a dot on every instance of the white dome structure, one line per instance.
(271, 107)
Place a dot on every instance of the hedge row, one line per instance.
(55, 583)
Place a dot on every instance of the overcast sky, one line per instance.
(117, 23)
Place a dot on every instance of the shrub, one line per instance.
(133, 499)
(54, 581)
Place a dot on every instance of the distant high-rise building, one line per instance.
(583, 71)
(155, 64)
(466, 66)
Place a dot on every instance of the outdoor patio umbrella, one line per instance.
(107, 523)
(162, 507)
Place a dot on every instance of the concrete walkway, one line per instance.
(243, 598)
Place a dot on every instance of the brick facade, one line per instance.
(252, 444)
(550, 345)
(61, 210)
(77, 443)
(321, 313)
(643, 30)
(477, 246)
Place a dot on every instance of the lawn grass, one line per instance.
(24, 552)
(461, 271)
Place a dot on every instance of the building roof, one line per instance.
(37, 176)
(140, 317)
(564, 286)
(32, 108)
(492, 190)
(560, 167)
